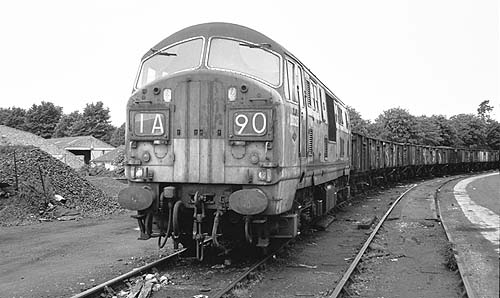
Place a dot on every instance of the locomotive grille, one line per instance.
(310, 142)
(326, 148)
(308, 93)
(342, 149)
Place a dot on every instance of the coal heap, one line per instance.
(46, 187)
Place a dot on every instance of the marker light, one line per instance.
(265, 175)
(167, 95)
(262, 175)
(138, 172)
(231, 94)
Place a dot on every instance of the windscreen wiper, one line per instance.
(263, 45)
(157, 52)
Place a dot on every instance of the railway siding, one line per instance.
(409, 255)
(318, 260)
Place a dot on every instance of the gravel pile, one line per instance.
(48, 188)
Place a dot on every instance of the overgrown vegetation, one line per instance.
(473, 130)
(449, 257)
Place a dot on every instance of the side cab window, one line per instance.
(293, 81)
(322, 102)
(290, 90)
(340, 115)
(330, 113)
(298, 85)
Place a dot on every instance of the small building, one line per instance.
(109, 159)
(85, 147)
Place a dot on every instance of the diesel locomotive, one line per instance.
(230, 136)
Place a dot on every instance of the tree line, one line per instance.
(462, 130)
(48, 121)
(396, 124)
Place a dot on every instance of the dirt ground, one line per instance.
(58, 259)
(409, 257)
(407, 260)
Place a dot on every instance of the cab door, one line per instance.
(297, 114)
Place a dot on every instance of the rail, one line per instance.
(243, 275)
(345, 278)
(469, 291)
(129, 274)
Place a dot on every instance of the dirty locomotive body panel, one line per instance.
(230, 136)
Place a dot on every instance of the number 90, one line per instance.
(258, 124)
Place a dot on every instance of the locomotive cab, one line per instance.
(213, 141)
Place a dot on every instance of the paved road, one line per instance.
(486, 192)
(479, 199)
(470, 212)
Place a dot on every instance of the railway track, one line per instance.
(341, 286)
(97, 290)
(119, 281)
(231, 285)
(235, 278)
(341, 289)
(466, 283)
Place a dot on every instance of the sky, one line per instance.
(430, 57)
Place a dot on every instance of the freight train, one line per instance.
(230, 136)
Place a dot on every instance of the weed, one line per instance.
(449, 257)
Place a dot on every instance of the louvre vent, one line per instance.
(310, 142)
(326, 148)
(308, 93)
(342, 147)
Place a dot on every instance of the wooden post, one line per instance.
(15, 171)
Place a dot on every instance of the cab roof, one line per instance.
(208, 30)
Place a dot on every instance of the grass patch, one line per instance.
(449, 257)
